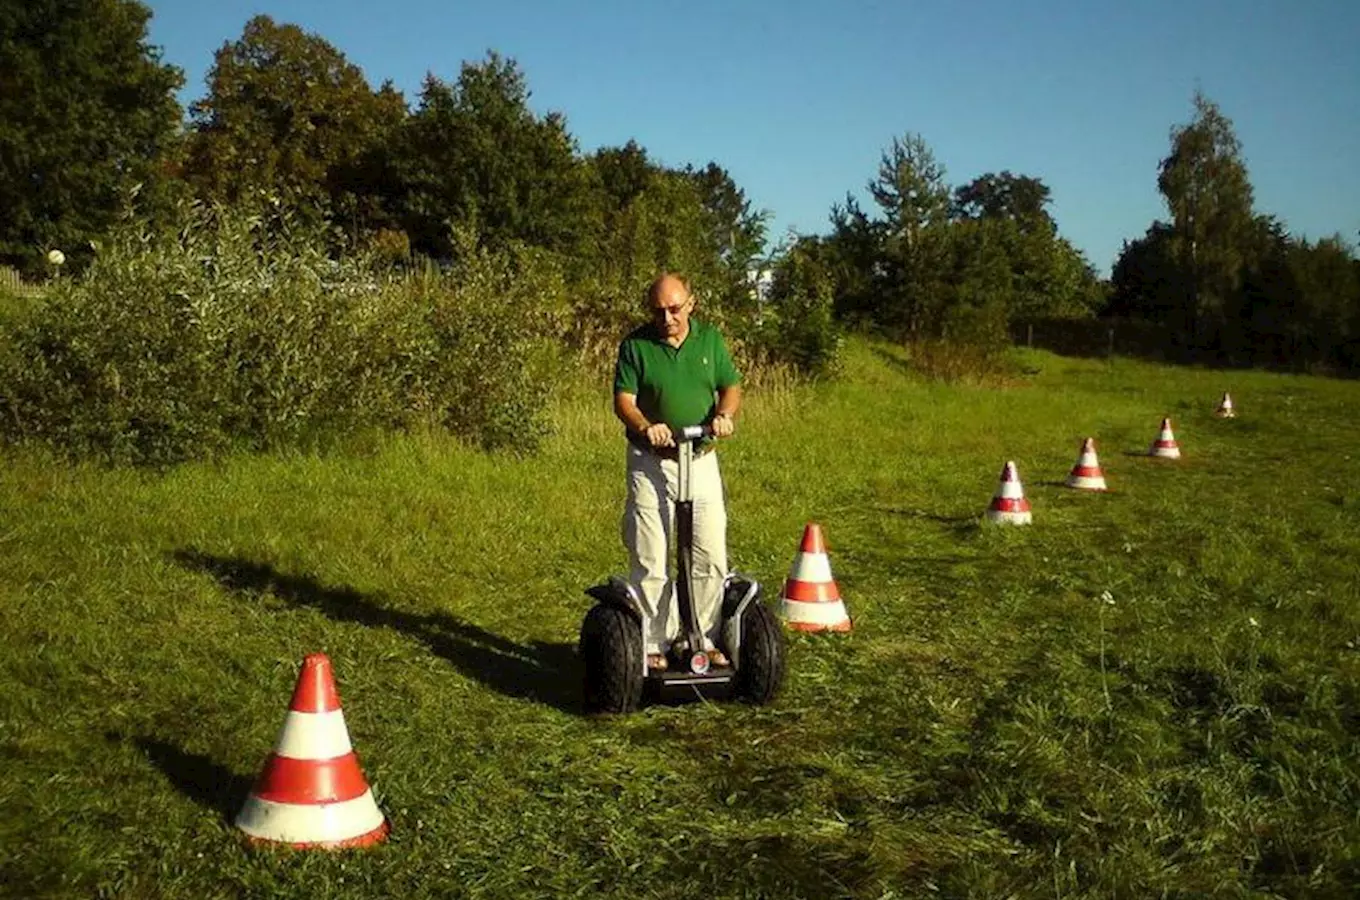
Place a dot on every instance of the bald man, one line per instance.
(672, 373)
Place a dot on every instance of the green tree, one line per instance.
(87, 115)
(476, 155)
(1018, 198)
(1205, 184)
(910, 188)
(853, 253)
(287, 114)
(1324, 273)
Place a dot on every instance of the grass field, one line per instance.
(993, 727)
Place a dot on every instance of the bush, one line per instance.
(797, 326)
(238, 330)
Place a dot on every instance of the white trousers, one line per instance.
(649, 531)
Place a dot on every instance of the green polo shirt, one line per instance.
(675, 385)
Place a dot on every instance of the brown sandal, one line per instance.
(718, 659)
(657, 662)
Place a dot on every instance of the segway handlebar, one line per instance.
(692, 433)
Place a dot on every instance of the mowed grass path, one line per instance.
(991, 728)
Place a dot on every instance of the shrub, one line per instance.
(237, 329)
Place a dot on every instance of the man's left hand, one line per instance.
(723, 425)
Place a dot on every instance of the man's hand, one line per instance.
(659, 435)
(723, 426)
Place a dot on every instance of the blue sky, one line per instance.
(798, 99)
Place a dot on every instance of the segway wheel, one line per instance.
(761, 670)
(611, 647)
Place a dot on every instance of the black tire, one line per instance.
(611, 647)
(761, 669)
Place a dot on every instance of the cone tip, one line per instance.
(813, 542)
(315, 691)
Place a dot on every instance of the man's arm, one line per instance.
(626, 408)
(729, 401)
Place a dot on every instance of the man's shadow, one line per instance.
(549, 673)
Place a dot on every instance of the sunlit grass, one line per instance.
(992, 727)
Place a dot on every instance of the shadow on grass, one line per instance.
(898, 362)
(545, 672)
(197, 777)
(962, 525)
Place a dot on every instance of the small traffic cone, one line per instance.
(1086, 474)
(311, 792)
(1165, 447)
(811, 601)
(1009, 506)
(1225, 408)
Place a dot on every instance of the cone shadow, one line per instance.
(544, 672)
(201, 779)
(962, 526)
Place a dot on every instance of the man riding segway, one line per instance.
(676, 390)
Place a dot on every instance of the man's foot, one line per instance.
(718, 659)
(657, 662)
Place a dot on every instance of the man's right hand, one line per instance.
(659, 435)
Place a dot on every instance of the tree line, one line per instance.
(91, 133)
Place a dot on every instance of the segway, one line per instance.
(617, 679)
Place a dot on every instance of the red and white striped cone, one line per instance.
(311, 792)
(1009, 506)
(1225, 408)
(1165, 447)
(1086, 474)
(811, 601)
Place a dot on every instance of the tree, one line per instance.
(1206, 188)
(1017, 198)
(288, 115)
(87, 115)
(1145, 282)
(624, 172)
(738, 232)
(475, 154)
(910, 188)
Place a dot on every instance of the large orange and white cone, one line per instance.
(1165, 446)
(1009, 506)
(1225, 408)
(811, 601)
(311, 792)
(1086, 474)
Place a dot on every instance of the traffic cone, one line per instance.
(811, 601)
(311, 792)
(1009, 506)
(1225, 408)
(1165, 446)
(1086, 474)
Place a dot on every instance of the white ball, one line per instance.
(56, 257)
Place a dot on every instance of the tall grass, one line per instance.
(1153, 692)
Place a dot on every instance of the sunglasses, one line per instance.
(661, 312)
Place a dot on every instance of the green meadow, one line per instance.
(1153, 692)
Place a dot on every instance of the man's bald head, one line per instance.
(668, 288)
(670, 302)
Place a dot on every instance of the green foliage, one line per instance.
(938, 275)
(474, 155)
(1018, 198)
(87, 120)
(287, 114)
(910, 188)
(1209, 195)
(238, 330)
(797, 327)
